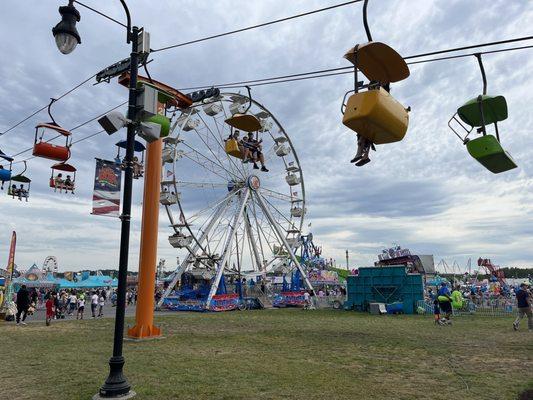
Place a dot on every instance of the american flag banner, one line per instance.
(107, 182)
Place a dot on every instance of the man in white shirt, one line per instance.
(94, 304)
(72, 301)
(101, 302)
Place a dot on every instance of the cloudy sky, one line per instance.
(424, 193)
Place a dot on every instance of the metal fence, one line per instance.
(490, 308)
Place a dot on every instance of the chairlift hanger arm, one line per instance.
(365, 21)
(483, 74)
(52, 101)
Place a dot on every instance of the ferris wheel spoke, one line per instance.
(282, 238)
(229, 241)
(253, 245)
(291, 223)
(220, 209)
(254, 213)
(203, 165)
(276, 195)
(201, 185)
(214, 204)
(215, 162)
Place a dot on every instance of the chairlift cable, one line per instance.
(73, 129)
(274, 80)
(345, 70)
(46, 106)
(276, 21)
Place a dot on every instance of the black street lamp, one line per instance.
(116, 385)
(65, 32)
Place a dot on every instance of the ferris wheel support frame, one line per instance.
(283, 240)
(227, 248)
(248, 227)
(179, 271)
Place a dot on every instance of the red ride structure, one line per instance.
(493, 270)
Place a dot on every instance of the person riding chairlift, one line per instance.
(22, 192)
(58, 183)
(137, 168)
(252, 151)
(69, 185)
(2, 182)
(363, 144)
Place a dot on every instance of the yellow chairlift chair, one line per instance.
(374, 114)
(478, 113)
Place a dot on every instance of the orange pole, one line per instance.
(144, 314)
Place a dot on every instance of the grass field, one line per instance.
(275, 354)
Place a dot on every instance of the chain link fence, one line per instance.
(488, 308)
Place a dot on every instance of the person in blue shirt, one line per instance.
(523, 299)
(445, 302)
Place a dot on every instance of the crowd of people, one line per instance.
(446, 301)
(60, 304)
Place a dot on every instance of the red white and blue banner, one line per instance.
(107, 182)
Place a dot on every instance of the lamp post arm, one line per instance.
(128, 18)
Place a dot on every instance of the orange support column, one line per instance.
(144, 315)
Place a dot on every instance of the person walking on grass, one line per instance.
(524, 300)
(445, 303)
(72, 303)
(23, 303)
(101, 303)
(94, 304)
(81, 307)
(50, 312)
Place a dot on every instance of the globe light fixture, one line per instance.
(65, 32)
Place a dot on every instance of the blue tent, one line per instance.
(96, 281)
(66, 284)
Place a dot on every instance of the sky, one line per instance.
(425, 193)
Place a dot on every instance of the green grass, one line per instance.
(275, 354)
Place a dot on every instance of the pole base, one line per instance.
(116, 385)
(139, 332)
(126, 396)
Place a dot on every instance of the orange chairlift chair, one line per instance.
(61, 182)
(48, 150)
(374, 114)
(478, 113)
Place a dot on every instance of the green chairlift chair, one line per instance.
(478, 113)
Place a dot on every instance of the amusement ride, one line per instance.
(229, 217)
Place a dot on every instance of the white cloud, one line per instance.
(425, 192)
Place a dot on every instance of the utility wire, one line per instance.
(46, 106)
(175, 46)
(100, 13)
(73, 129)
(349, 69)
(283, 79)
(276, 21)
(433, 53)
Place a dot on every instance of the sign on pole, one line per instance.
(107, 183)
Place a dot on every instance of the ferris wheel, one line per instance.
(50, 265)
(228, 216)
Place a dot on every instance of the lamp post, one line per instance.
(65, 32)
(116, 385)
